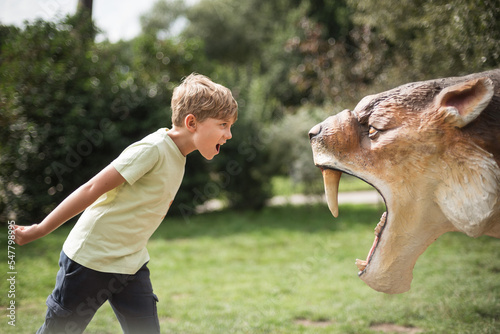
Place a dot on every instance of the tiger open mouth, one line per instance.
(331, 179)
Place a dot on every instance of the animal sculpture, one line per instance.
(432, 150)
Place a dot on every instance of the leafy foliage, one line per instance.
(53, 91)
(70, 104)
(438, 38)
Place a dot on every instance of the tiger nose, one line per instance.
(314, 131)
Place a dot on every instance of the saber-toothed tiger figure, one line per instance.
(432, 149)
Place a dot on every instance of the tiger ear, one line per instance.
(462, 103)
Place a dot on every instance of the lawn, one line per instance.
(284, 270)
(283, 186)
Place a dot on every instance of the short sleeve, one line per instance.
(136, 160)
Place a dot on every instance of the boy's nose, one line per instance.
(229, 135)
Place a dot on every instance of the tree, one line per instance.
(48, 94)
(83, 19)
(85, 6)
(161, 19)
(437, 38)
(236, 31)
(70, 107)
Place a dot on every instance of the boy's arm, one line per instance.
(79, 200)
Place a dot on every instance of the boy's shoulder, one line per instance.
(153, 139)
(155, 151)
(157, 136)
(162, 141)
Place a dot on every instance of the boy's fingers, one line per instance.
(22, 228)
(19, 226)
(17, 237)
(26, 234)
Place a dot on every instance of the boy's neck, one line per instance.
(182, 138)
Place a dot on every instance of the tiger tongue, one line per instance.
(331, 179)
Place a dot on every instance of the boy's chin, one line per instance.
(208, 157)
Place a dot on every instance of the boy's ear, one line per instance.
(190, 122)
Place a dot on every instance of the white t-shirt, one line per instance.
(112, 233)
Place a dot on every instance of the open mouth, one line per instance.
(217, 148)
(331, 179)
(361, 264)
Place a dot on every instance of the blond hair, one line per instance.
(200, 96)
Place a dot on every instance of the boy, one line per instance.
(105, 256)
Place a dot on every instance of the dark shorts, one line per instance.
(80, 291)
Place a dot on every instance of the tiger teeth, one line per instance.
(361, 264)
(380, 224)
(331, 179)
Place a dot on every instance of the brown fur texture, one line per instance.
(432, 149)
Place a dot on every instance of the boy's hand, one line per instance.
(25, 234)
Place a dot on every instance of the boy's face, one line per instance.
(210, 135)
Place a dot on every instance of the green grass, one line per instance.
(284, 270)
(283, 186)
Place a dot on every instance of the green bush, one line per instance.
(70, 106)
(55, 94)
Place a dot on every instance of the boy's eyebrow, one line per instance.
(229, 119)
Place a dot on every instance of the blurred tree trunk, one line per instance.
(83, 20)
(85, 5)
